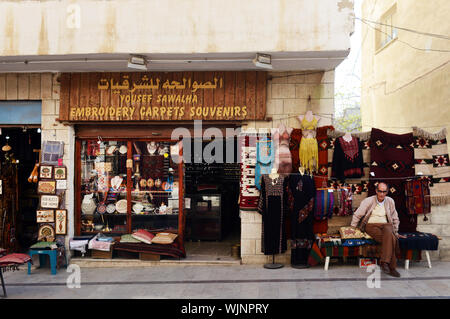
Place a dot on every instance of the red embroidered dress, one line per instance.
(347, 159)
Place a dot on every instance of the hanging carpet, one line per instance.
(392, 161)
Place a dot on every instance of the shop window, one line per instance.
(386, 32)
(129, 185)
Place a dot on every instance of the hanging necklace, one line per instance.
(274, 181)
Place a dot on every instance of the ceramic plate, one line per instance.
(121, 206)
(111, 208)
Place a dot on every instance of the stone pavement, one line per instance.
(235, 281)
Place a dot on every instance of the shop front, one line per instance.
(156, 155)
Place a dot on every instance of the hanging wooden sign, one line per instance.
(172, 96)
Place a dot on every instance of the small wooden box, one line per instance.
(99, 254)
(149, 257)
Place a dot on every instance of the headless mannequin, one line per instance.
(273, 174)
(301, 169)
(347, 137)
(309, 116)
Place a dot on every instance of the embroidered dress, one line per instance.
(347, 159)
(265, 156)
(345, 200)
(302, 236)
(273, 207)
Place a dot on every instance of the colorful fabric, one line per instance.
(320, 226)
(309, 154)
(348, 232)
(324, 144)
(294, 147)
(419, 241)
(249, 194)
(323, 204)
(318, 255)
(418, 196)
(357, 242)
(432, 160)
(265, 157)
(344, 195)
(315, 255)
(392, 161)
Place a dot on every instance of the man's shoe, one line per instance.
(394, 273)
(385, 268)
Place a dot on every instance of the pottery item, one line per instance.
(88, 205)
(121, 206)
(111, 208)
(123, 149)
(137, 208)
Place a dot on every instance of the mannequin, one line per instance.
(309, 150)
(347, 137)
(273, 174)
(283, 159)
(309, 117)
(301, 169)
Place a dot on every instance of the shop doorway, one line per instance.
(213, 226)
(18, 200)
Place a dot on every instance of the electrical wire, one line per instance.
(270, 77)
(434, 35)
(404, 42)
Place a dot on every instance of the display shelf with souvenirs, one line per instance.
(125, 185)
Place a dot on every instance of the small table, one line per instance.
(52, 253)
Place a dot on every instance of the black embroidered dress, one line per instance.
(273, 207)
(302, 236)
(347, 159)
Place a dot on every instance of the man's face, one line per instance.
(381, 192)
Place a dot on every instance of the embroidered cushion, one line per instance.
(164, 238)
(352, 232)
(143, 236)
(128, 238)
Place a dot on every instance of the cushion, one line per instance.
(128, 238)
(352, 232)
(44, 245)
(143, 236)
(164, 238)
(15, 259)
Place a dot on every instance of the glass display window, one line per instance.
(126, 185)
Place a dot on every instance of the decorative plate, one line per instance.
(46, 233)
(101, 208)
(123, 149)
(111, 149)
(150, 182)
(121, 206)
(111, 208)
(143, 183)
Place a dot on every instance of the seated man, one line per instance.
(377, 216)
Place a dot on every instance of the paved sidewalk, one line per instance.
(224, 282)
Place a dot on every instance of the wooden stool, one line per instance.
(52, 255)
